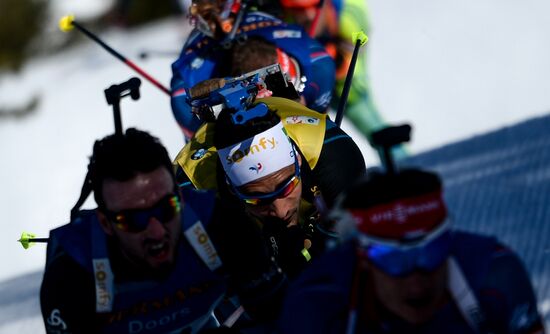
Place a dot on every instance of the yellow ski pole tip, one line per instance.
(361, 36)
(24, 240)
(66, 23)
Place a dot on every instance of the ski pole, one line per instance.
(29, 239)
(316, 18)
(67, 23)
(360, 39)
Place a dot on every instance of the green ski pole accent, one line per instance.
(29, 239)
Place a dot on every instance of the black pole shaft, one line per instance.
(390, 167)
(45, 240)
(99, 41)
(125, 60)
(118, 118)
(347, 84)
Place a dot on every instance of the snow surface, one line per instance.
(454, 69)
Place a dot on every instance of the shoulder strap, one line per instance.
(464, 297)
(103, 275)
(198, 238)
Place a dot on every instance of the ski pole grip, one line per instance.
(387, 138)
(113, 95)
(392, 135)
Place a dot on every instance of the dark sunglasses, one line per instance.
(397, 261)
(136, 220)
(286, 188)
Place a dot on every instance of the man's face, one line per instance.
(303, 16)
(416, 297)
(285, 208)
(155, 246)
(209, 12)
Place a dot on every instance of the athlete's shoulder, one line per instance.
(258, 16)
(197, 44)
(201, 202)
(66, 296)
(474, 254)
(478, 251)
(272, 29)
(501, 282)
(330, 272)
(73, 239)
(195, 37)
(316, 300)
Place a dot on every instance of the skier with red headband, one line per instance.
(404, 269)
(222, 25)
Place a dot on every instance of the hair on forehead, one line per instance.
(251, 55)
(122, 157)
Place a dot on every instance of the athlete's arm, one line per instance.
(181, 109)
(253, 274)
(340, 164)
(188, 70)
(66, 298)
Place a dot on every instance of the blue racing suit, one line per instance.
(319, 301)
(204, 58)
(87, 289)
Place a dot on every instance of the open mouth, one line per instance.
(158, 250)
(420, 301)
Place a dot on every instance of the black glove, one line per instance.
(289, 244)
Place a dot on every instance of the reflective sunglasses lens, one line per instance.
(398, 262)
(167, 209)
(121, 222)
(137, 220)
(289, 188)
(132, 222)
(390, 260)
(252, 201)
(283, 192)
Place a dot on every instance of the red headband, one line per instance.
(402, 218)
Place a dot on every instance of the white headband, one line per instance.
(258, 156)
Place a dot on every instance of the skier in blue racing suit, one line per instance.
(143, 261)
(404, 270)
(207, 54)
